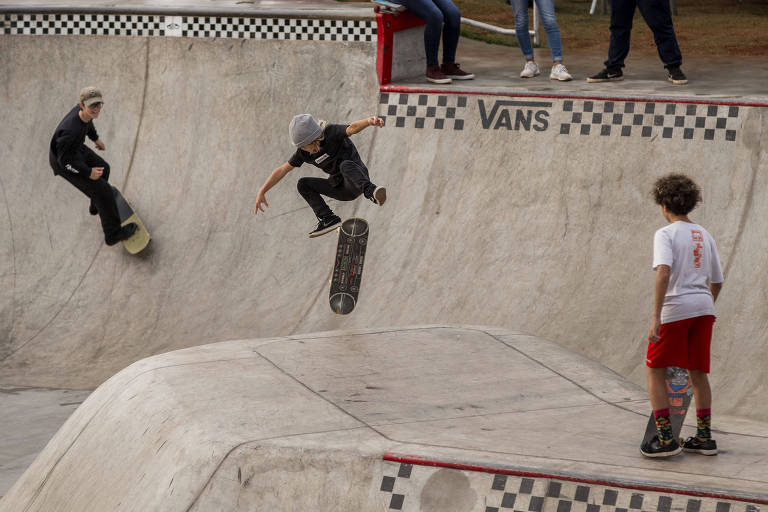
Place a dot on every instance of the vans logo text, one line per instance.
(525, 115)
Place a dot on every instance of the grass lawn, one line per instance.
(703, 27)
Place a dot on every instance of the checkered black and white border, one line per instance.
(435, 111)
(279, 28)
(188, 26)
(629, 118)
(667, 120)
(83, 24)
(505, 493)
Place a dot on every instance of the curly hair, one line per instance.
(677, 192)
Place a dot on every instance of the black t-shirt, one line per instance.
(335, 148)
(65, 152)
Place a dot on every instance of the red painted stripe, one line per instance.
(419, 461)
(519, 94)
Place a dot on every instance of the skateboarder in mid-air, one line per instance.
(71, 159)
(328, 147)
(688, 281)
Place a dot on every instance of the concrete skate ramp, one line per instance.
(503, 210)
(301, 423)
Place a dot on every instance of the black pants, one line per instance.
(98, 191)
(354, 181)
(659, 19)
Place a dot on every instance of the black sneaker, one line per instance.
(708, 447)
(379, 195)
(607, 75)
(325, 225)
(125, 233)
(676, 76)
(654, 448)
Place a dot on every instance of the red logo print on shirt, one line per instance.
(697, 238)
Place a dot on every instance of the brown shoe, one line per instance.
(451, 70)
(436, 76)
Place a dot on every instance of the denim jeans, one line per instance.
(547, 12)
(437, 13)
(659, 19)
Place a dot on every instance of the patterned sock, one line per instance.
(703, 423)
(663, 426)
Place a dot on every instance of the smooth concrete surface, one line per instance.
(300, 422)
(536, 231)
(29, 418)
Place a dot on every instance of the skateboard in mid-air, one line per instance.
(141, 237)
(348, 266)
(679, 391)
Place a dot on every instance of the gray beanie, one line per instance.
(304, 130)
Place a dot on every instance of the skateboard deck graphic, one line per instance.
(679, 391)
(141, 238)
(348, 266)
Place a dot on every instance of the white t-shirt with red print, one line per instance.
(690, 252)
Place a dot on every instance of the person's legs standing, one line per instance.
(658, 16)
(699, 355)
(520, 9)
(622, 12)
(547, 13)
(668, 351)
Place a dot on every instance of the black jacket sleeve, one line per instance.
(92, 132)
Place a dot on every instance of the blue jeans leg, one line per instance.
(520, 8)
(441, 17)
(547, 12)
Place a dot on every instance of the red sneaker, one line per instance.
(436, 76)
(451, 70)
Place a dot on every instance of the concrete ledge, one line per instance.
(340, 13)
(306, 422)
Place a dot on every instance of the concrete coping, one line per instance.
(337, 14)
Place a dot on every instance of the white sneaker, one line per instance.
(559, 72)
(530, 70)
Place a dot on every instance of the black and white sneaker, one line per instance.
(325, 225)
(607, 75)
(708, 447)
(654, 448)
(379, 195)
(676, 76)
(125, 233)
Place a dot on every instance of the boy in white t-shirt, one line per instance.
(688, 281)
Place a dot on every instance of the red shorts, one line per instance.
(684, 343)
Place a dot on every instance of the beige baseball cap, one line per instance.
(90, 95)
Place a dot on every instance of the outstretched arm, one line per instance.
(275, 177)
(358, 126)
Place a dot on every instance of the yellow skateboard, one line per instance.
(141, 238)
